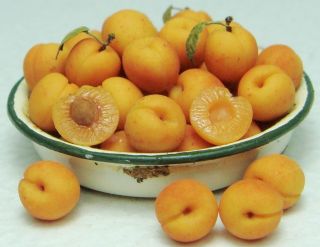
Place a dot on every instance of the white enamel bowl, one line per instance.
(145, 175)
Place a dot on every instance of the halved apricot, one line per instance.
(220, 118)
(87, 117)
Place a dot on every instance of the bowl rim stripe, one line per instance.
(163, 158)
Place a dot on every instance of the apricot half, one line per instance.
(220, 118)
(86, 118)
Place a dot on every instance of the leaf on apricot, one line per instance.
(193, 38)
(70, 35)
(167, 14)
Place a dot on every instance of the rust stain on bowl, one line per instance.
(141, 173)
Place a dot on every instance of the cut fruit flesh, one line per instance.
(220, 118)
(86, 118)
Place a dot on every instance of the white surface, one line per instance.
(106, 220)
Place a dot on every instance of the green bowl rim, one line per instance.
(158, 159)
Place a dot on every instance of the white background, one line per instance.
(105, 220)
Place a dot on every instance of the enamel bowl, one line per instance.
(145, 175)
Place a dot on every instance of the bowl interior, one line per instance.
(18, 112)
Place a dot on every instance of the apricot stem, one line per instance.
(193, 37)
(111, 36)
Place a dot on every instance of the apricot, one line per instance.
(284, 57)
(125, 94)
(218, 117)
(283, 173)
(127, 25)
(253, 130)
(250, 209)
(45, 93)
(41, 60)
(49, 190)
(192, 141)
(89, 63)
(190, 83)
(70, 43)
(176, 31)
(87, 117)
(230, 54)
(117, 142)
(187, 210)
(197, 16)
(155, 124)
(151, 64)
(270, 91)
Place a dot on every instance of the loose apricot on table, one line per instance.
(250, 209)
(49, 190)
(283, 173)
(187, 210)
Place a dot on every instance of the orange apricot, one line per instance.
(218, 117)
(176, 32)
(250, 209)
(190, 83)
(284, 57)
(155, 123)
(40, 61)
(230, 54)
(253, 130)
(117, 142)
(282, 173)
(89, 63)
(125, 94)
(197, 16)
(44, 95)
(270, 91)
(151, 64)
(87, 118)
(187, 210)
(49, 190)
(192, 141)
(127, 25)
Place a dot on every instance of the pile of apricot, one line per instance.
(192, 84)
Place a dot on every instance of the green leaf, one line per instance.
(70, 35)
(193, 38)
(167, 14)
